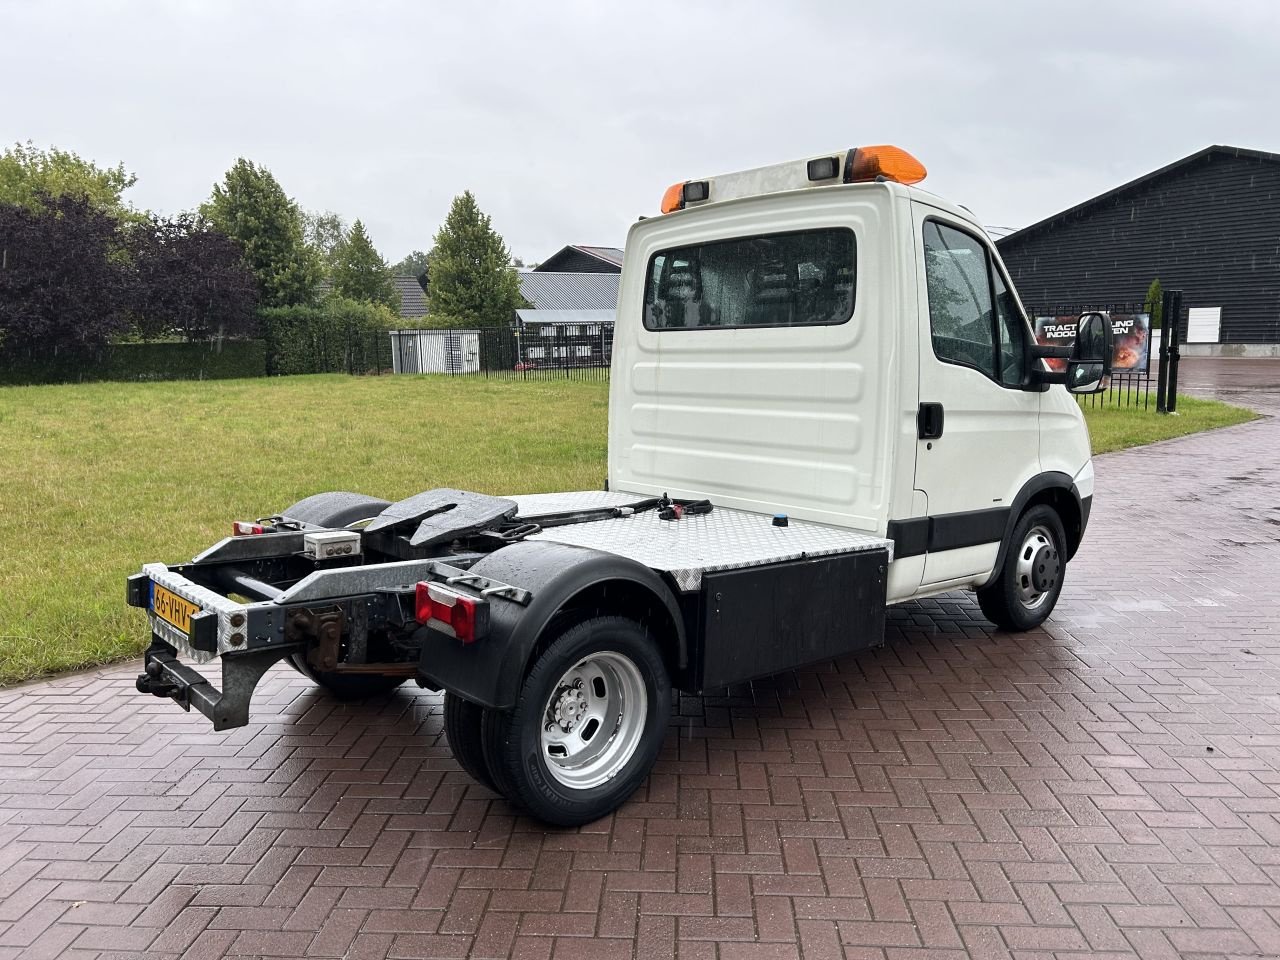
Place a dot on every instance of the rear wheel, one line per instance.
(340, 509)
(462, 726)
(1027, 586)
(587, 725)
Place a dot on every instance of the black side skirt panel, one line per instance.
(766, 620)
(947, 531)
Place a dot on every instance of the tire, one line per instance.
(1028, 584)
(335, 509)
(585, 684)
(340, 509)
(462, 726)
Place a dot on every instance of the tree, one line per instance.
(1155, 302)
(250, 207)
(413, 265)
(324, 233)
(27, 175)
(191, 280)
(63, 283)
(470, 280)
(360, 273)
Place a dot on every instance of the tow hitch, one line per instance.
(164, 675)
(152, 680)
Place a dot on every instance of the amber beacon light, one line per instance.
(673, 199)
(688, 191)
(891, 163)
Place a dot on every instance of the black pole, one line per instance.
(1162, 378)
(1171, 394)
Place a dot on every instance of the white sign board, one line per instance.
(1203, 324)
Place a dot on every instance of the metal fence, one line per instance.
(1134, 362)
(363, 353)
(530, 351)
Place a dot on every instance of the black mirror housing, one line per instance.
(1094, 339)
(1087, 360)
(1089, 367)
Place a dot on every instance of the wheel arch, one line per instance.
(625, 597)
(335, 508)
(568, 584)
(1053, 489)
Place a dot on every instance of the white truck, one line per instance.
(825, 398)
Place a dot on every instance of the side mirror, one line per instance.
(1089, 366)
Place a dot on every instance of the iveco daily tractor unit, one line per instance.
(825, 397)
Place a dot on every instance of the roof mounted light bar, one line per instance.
(859, 165)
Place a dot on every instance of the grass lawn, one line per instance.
(1114, 428)
(100, 478)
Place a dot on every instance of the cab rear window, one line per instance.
(800, 279)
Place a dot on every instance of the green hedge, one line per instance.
(141, 361)
(339, 336)
(345, 336)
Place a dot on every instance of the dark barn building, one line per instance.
(577, 258)
(1208, 224)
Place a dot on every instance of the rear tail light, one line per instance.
(451, 612)
(243, 528)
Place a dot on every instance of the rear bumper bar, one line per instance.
(164, 675)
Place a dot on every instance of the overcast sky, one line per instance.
(567, 120)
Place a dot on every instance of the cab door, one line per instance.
(977, 425)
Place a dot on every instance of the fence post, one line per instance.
(1171, 396)
(1162, 376)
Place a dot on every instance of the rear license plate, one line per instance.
(172, 609)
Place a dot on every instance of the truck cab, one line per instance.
(825, 398)
(848, 353)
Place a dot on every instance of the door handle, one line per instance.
(929, 419)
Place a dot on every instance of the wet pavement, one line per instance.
(1246, 383)
(1108, 785)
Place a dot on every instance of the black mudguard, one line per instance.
(489, 671)
(1050, 480)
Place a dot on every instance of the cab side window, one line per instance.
(961, 312)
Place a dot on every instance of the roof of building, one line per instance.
(413, 302)
(1197, 157)
(583, 259)
(611, 254)
(566, 316)
(569, 291)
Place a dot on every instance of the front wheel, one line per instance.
(587, 725)
(1026, 587)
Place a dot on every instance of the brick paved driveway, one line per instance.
(1108, 785)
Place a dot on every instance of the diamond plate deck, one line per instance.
(686, 549)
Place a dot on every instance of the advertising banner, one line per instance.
(1132, 339)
